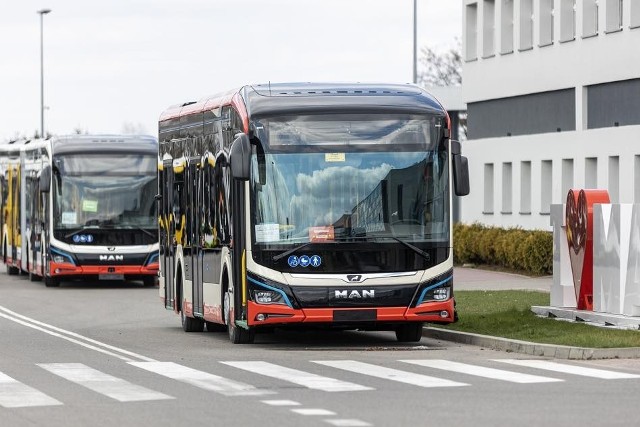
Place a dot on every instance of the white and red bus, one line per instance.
(309, 205)
(80, 207)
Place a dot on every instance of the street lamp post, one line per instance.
(415, 41)
(42, 12)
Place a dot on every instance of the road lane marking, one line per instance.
(348, 423)
(14, 394)
(313, 411)
(389, 374)
(569, 369)
(201, 379)
(481, 371)
(281, 402)
(306, 379)
(72, 336)
(105, 384)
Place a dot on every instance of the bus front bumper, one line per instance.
(274, 314)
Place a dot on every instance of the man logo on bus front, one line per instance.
(354, 278)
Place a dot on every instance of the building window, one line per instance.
(488, 29)
(526, 24)
(567, 175)
(543, 112)
(546, 22)
(589, 18)
(488, 188)
(506, 39)
(591, 172)
(613, 104)
(471, 47)
(525, 187)
(546, 186)
(634, 14)
(507, 188)
(567, 20)
(614, 15)
(614, 179)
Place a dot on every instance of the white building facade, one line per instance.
(552, 89)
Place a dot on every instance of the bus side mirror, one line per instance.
(45, 179)
(240, 157)
(460, 170)
(460, 175)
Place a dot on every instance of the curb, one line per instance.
(530, 348)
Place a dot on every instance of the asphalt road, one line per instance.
(105, 354)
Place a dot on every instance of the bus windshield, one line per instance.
(337, 178)
(105, 191)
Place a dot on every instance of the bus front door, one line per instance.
(167, 234)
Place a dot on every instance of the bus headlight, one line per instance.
(264, 291)
(59, 256)
(439, 291)
(267, 297)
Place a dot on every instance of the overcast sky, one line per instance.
(113, 66)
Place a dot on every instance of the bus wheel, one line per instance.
(237, 335)
(149, 281)
(51, 282)
(409, 332)
(215, 327)
(191, 324)
(12, 271)
(34, 277)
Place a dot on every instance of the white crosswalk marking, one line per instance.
(482, 371)
(201, 379)
(347, 423)
(389, 374)
(115, 388)
(569, 369)
(295, 376)
(14, 394)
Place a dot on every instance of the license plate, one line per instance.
(111, 276)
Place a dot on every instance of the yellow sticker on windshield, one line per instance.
(334, 157)
(89, 205)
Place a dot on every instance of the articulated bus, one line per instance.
(309, 205)
(80, 207)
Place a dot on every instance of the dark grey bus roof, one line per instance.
(282, 98)
(103, 144)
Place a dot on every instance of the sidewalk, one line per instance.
(469, 279)
(476, 279)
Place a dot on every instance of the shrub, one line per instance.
(529, 251)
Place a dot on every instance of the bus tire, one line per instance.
(237, 335)
(215, 327)
(51, 282)
(409, 332)
(149, 281)
(191, 324)
(12, 271)
(33, 277)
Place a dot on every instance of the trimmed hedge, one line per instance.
(530, 251)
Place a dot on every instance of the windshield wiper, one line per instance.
(290, 251)
(416, 249)
(144, 230)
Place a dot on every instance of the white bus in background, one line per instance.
(80, 207)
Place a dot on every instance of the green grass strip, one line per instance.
(508, 314)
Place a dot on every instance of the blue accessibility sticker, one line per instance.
(293, 261)
(316, 260)
(304, 261)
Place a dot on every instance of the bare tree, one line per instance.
(440, 68)
(133, 128)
